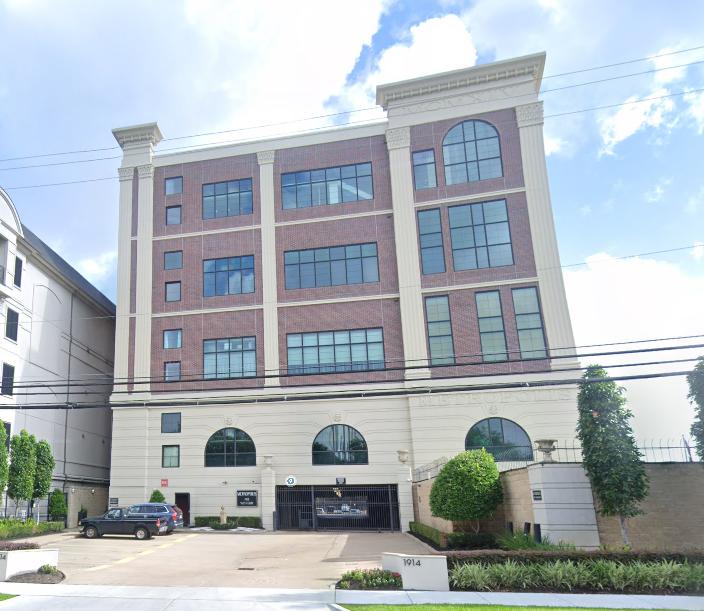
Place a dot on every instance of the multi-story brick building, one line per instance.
(338, 306)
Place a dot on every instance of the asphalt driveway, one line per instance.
(214, 559)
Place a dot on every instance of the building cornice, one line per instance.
(138, 135)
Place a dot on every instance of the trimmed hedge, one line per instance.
(455, 558)
(218, 526)
(15, 528)
(232, 521)
(14, 546)
(464, 541)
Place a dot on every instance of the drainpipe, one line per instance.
(68, 392)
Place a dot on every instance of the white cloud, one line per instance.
(696, 109)
(633, 117)
(657, 192)
(698, 251)
(695, 202)
(99, 268)
(624, 300)
(585, 210)
(439, 44)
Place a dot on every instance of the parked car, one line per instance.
(179, 516)
(121, 522)
(157, 510)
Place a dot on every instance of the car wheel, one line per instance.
(141, 533)
(92, 532)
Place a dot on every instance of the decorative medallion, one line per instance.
(337, 417)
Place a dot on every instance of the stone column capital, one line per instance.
(398, 138)
(145, 171)
(530, 114)
(125, 173)
(265, 157)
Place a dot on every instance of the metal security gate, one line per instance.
(371, 508)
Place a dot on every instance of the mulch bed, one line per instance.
(38, 577)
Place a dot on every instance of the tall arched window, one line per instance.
(340, 444)
(230, 448)
(502, 438)
(471, 152)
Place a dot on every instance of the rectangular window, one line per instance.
(491, 327)
(331, 266)
(431, 252)
(173, 260)
(18, 272)
(231, 276)
(437, 312)
(480, 236)
(172, 339)
(8, 379)
(173, 215)
(173, 291)
(232, 198)
(230, 358)
(335, 351)
(12, 324)
(424, 169)
(171, 423)
(172, 372)
(350, 183)
(173, 186)
(531, 338)
(170, 456)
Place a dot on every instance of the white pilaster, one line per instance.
(268, 497)
(405, 496)
(122, 323)
(269, 289)
(556, 315)
(398, 142)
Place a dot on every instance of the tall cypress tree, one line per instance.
(43, 474)
(4, 457)
(695, 380)
(23, 464)
(610, 454)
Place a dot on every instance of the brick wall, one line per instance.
(674, 512)
(359, 230)
(430, 136)
(518, 502)
(95, 503)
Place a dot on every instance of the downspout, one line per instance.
(68, 391)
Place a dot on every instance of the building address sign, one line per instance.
(247, 498)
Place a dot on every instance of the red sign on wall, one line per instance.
(164, 482)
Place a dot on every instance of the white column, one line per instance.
(405, 496)
(122, 322)
(556, 315)
(143, 308)
(268, 497)
(269, 289)
(407, 256)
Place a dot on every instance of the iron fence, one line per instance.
(652, 451)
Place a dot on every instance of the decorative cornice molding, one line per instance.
(125, 173)
(266, 157)
(398, 138)
(132, 137)
(146, 171)
(530, 114)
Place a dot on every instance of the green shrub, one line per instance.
(428, 532)
(543, 557)
(57, 504)
(521, 541)
(250, 522)
(15, 528)
(471, 541)
(566, 575)
(232, 521)
(48, 569)
(157, 497)
(217, 526)
(467, 489)
(371, 579)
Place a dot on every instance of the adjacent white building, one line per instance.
(57, 348)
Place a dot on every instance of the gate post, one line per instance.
(405, 497)
(268, 496)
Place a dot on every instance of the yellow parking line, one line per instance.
(125, 560)
(98, 568)
(190, 536)
(179, 540)
(164, 546)
(146, 553)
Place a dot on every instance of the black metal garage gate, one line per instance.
(337, 508)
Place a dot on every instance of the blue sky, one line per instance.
(624, 180)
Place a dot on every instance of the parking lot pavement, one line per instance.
(208, 559)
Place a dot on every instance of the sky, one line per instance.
(626, 175)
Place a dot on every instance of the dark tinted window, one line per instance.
(335, 351)
(502, 438)
(340, 444)
(471, 152)
(174, 185)
(491, 326)
(12, 324)
(230, 448)
(424, 169)
(8, 379)
(480, 235)
(437, 311)
(171, 423)
(173, 260)
(432, 255)
(231, 276)
(173, 215)
(232, 198)
(230, 358)
(18, 272)
(352, 264)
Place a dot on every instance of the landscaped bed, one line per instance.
(12, 529)
(370, 579)
(46, 574)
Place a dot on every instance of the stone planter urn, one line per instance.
(547, 447)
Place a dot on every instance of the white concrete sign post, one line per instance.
(418, 572)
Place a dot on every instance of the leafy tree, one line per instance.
(57, 504)
(467, 489)
(610, 454)
(4, 457)
(156, 497)
(695, 380)
(44, 470)
(23, 464)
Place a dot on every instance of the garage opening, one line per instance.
(371, 508)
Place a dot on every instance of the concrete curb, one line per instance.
(428, 548)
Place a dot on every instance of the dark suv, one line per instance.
(156, 510)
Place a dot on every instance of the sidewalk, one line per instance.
(183, 598)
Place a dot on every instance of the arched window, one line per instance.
(230, 448)
(340, 444)
(502, 438)
(471, 152)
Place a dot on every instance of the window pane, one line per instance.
(173, 260)
(173, 291)
(172, 372)
(172, 339)
(174, 186)
(173, 215)
(370, 269)
(477, 144)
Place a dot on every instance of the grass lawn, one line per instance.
(461, 608)
(6, 596)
